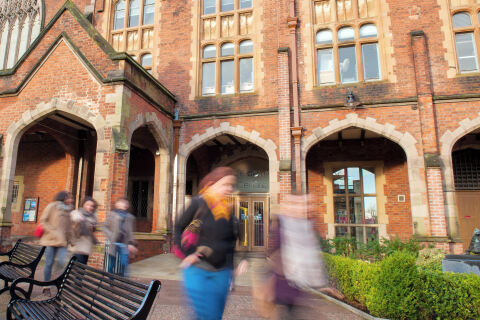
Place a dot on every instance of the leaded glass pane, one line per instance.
(461, 19)
(346, 34)
(228, 49)
(146, 60)
(371, 62)
(340, 209)
(13, 45)
(355, 204)
(226, 5)
(339, 181)
(208, 78)
(466, 52)
(325, 70)
(368, 175)
(246, 74)
(209, 6)
(244, 4)
(368, 30)
(370, 204)
(134, 13)
(353, 180)
(209, 52)
(119, 15)
(148, 11)
(348, 64)
(324, 37)
(227, 77)
(246, 47)
(24, 37)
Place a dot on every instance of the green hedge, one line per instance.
(396, 288)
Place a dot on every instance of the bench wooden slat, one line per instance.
(88, 293)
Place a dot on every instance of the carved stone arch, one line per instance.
(406, 141)
(163, 138)
(253, 137)
(447, 142)
(16, 130)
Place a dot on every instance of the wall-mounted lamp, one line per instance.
(175, 114)
(352, 103)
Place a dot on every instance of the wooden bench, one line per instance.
(22, 263)
(86, 293)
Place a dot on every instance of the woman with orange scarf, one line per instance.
(205, 237)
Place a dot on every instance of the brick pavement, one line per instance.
(170, 303)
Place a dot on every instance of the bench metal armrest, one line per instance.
(56, 282)
(8, 253)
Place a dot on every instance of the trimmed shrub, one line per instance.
(450, 295)
(396, 288)
(393, 294)
(430, 259)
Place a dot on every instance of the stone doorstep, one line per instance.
(344, 305)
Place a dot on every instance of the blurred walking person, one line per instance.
(119, 226)
(84, 221)
(57, 227)
(205, 236)
(294, 255)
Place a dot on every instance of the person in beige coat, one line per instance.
(57, 226)
(84, 221)
(119, 227)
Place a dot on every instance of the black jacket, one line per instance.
(220, 236)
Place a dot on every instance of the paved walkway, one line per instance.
(170, 303)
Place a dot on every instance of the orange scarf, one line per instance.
(220, 208)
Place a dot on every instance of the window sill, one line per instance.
(228, 96)
(468, 74)
(349, 85)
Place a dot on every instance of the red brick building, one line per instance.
(371, 106)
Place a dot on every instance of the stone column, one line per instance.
(436, 224)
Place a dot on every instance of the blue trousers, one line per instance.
(207, 291)
(50, 254)
(118, 264)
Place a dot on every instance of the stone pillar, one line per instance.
(436, 225)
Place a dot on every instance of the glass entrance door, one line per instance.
(252, 214)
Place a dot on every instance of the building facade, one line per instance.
(370, 106)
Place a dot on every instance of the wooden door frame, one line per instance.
(251, 198)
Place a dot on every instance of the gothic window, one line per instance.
(132, 29)
(465, 41)
(227, 50)
(20, 24)
(355, 203)
(346, 41)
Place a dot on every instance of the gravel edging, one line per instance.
(345, 306)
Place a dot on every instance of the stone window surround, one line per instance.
(13, 12)
(382, 221)
(308, 30)
(218, 40)
(335, 45)
(474, 28)
(136, 54)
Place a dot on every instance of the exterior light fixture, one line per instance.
(352, 103)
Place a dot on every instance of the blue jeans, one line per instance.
(50, 253)
(207, 291)
(118, 263)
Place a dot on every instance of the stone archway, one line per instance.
(162, 137)
(225, 128)
(15, 132)
(407, 142)
(447, 142)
